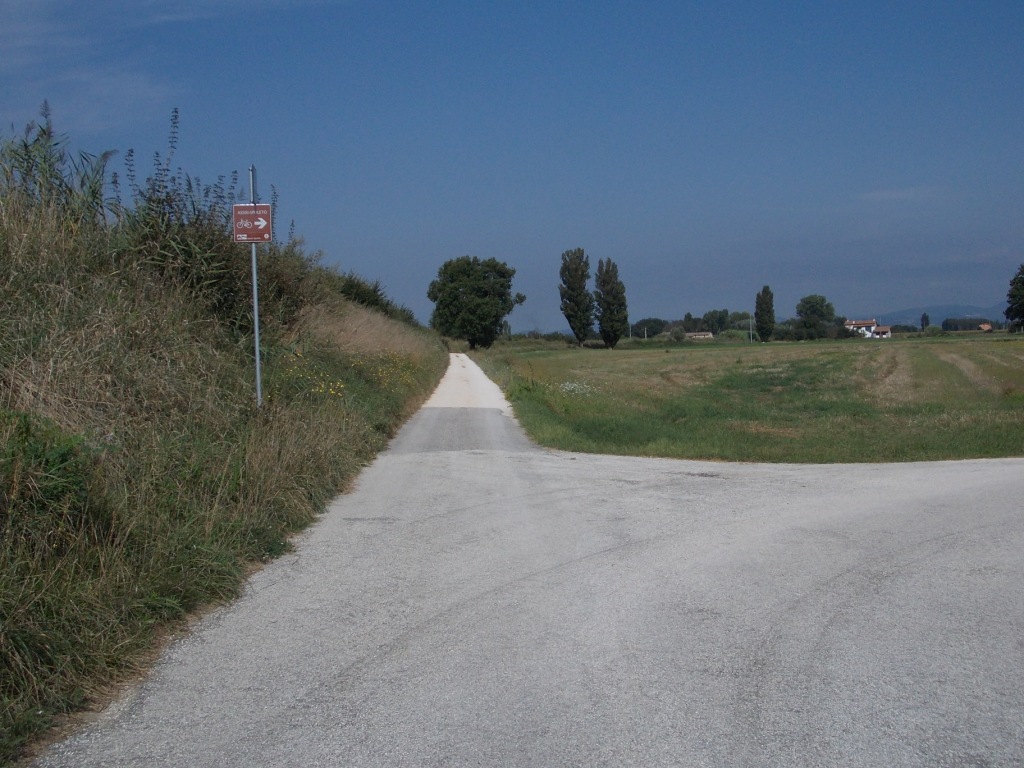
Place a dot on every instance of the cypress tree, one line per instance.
(764, 313)
(1015, 302)
(577, 303)
(610, 298)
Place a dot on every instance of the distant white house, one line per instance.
(869, 328)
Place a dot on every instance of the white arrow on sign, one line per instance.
(261, 223)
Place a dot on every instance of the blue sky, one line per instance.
(872, 152)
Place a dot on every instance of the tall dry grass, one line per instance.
(138, 480)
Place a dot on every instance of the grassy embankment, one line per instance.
(138, 481)
(917, 399)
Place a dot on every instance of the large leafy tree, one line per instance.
(815, 308)
(471, 299)
(764, 313)
(816, 313)
(715, 320)
(610, 298)
(577, 301)
(649, 327)
(1015, 302)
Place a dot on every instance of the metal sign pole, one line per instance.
(255, 296)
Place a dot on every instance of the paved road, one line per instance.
(480, 601)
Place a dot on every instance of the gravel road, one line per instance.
(480, 601)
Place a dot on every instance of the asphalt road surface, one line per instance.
(479, 601)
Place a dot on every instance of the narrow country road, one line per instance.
(479, 601)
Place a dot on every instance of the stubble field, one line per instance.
(915, 399)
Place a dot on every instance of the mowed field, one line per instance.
(915, 399)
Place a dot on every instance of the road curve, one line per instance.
(477, 600)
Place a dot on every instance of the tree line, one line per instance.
(815, 318)
(472, 298)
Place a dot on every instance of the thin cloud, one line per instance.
(39, 32)
(30, 37)
(997, 255)
(97, 99)
(904, 195)
(59, 55)
(58, 52)
(158, 10)
(142, 13)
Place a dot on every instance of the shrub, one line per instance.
(137, 479)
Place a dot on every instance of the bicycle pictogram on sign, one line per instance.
(252, 223)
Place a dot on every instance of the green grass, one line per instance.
(138, 481)
(823, 402)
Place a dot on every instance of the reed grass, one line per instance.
(138, 481)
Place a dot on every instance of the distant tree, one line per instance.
(577, 301)
(715, 320)
(472, 298)
(967, 323)
(925, 321)
(610, 298)
(764, 313)
(691, 324)
(1015, 302)
(679, 333)
(815, 307)
(648, 327)
(739, 321)
(816, 314)
(837, 329)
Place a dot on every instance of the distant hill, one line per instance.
(939, 312)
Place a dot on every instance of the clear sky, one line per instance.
(869, 151)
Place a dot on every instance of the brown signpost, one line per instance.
(251, 223)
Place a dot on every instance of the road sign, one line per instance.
(251, 223)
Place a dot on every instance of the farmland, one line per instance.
(914, 399)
